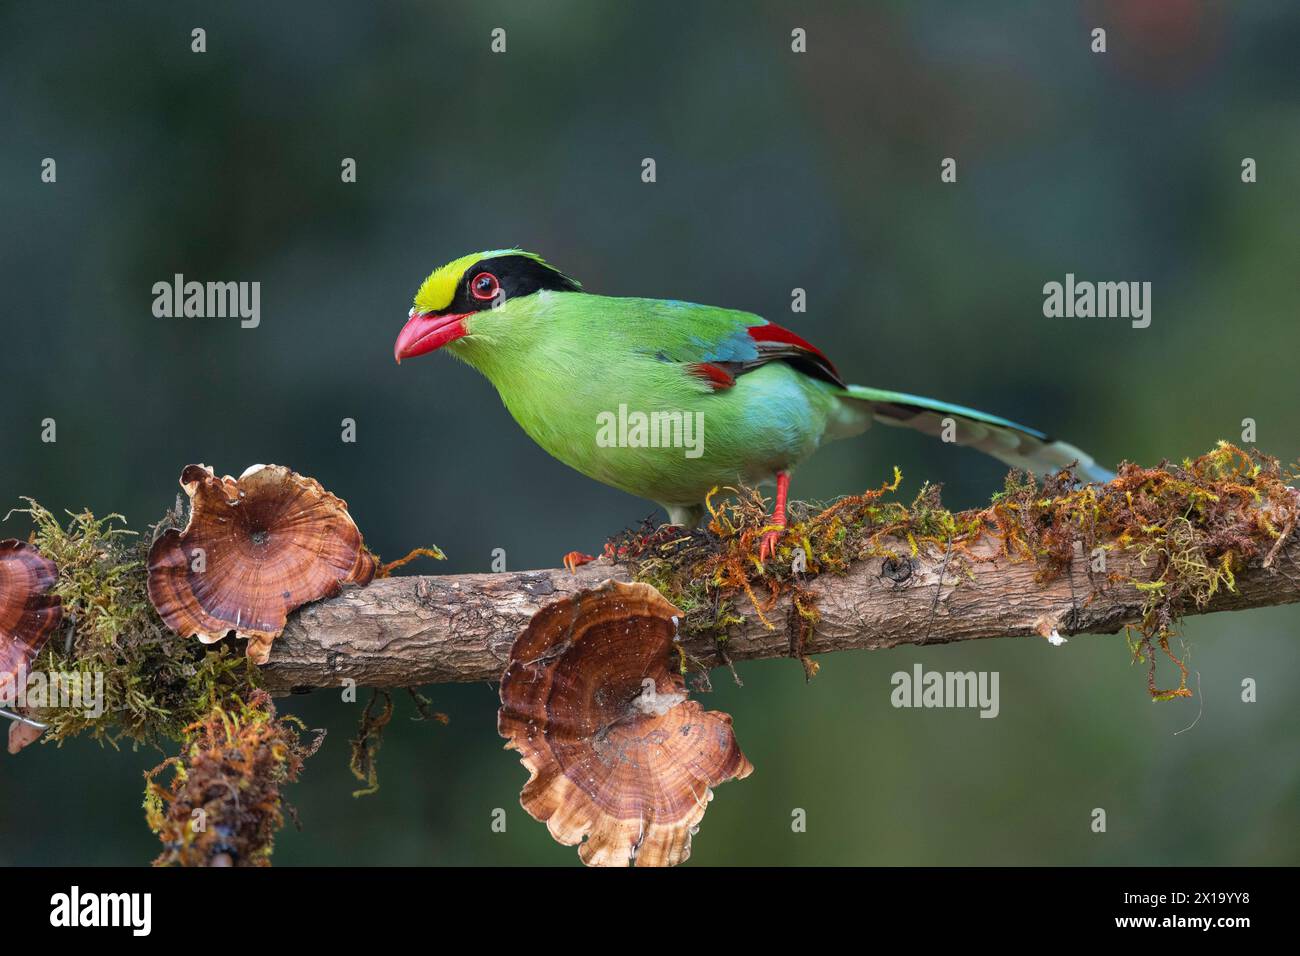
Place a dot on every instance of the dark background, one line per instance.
(775, 170)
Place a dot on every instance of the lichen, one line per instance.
(1194, 526)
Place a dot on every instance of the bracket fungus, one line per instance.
(255, 549)
(29, 611)
(596, 705)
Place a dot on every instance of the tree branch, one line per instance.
(420, 630)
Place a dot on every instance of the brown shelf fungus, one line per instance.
(29, 611)
(621, 761)
(255, 549)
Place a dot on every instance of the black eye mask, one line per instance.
(516, 276)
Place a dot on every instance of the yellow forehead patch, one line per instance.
(437, 291)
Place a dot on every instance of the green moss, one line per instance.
(1194, 525)
(222, 805)
(155, 683)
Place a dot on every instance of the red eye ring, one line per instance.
(484, 286)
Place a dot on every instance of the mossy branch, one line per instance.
(1045, 559)
(1041, 561)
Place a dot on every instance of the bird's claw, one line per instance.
(767, 548)
(575, 559)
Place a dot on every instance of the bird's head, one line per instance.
(473, 295)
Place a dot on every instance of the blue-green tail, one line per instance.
(1015, 445)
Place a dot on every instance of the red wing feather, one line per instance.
(777, 343)
(717, 376)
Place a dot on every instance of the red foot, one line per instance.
(767, 548)
(575, 559)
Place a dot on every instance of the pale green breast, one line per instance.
(593, 389)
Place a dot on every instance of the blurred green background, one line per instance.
(775, 170)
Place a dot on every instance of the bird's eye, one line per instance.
(485, 286)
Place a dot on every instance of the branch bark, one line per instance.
(409, 631)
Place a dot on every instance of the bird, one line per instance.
(670, 400)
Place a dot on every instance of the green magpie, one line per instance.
(747, 398)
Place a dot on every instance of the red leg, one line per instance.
(768, 547)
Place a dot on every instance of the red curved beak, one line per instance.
(426, 331)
